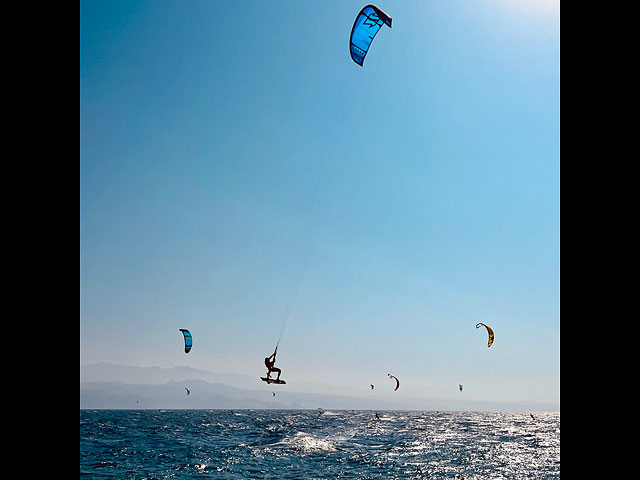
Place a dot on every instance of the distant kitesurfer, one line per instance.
(270, 362)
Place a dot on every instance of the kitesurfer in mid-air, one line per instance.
(270, 362)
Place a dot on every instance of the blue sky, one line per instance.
(235, 163)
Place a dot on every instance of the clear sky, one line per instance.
(236, 164)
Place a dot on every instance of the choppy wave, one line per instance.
(294, 444)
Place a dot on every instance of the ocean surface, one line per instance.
(318, 444)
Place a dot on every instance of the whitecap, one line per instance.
(307, 443)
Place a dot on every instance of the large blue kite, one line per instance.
(368, 22)
(188, 341)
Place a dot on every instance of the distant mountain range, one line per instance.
(112, 386)
(110, 372)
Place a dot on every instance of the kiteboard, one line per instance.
(271, 380)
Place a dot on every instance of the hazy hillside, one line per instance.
(109, 372)
(124, 387)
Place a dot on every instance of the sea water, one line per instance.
(318, 444)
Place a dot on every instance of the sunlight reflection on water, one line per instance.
(294, 444)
